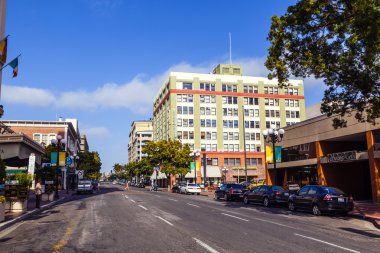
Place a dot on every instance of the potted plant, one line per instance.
(2, 208)
(20, 204)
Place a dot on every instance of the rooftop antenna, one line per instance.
(230, 49)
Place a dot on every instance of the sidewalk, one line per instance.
(368, 211)
(12, 218)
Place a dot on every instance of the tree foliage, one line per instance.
(172, 156)
(2, 171)
(337, 41)
(90, 163)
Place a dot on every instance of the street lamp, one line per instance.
(225, 174)
(195, 154)
(57, 143)
(273, 135)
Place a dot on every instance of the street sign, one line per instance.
(80, 174)
(69, 161)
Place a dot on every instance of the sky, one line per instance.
(103, 61)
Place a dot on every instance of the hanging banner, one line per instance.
(191, 166)
(269, 154)
(198, 166)
(32, 164)
(62, 158)
(53, 158)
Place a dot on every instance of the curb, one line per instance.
(374, 221)
(28, 214)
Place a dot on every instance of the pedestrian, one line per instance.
(38, 192)
(126, 185)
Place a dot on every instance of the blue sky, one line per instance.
(102, 61)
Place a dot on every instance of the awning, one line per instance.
(160, 175)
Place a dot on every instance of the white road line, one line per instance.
(173, 200)
(234, 216)
(192, 205)
(126, 196)
(204, 245)
(328, 243)
(143, 207)
(171, 224)
(133, 201)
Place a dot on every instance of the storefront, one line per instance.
(313, 152)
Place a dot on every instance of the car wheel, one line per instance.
(198, 193)
(291, 206)
(246, 200)
(216, 196)
(266, 202)
(225, 197)
(316, 210)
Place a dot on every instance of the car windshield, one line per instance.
(333, 190)
(84, 182)
(192, 185)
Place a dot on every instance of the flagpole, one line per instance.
(9, 62)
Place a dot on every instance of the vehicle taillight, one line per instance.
(277, 193)
(231, 190)
(350, 199)
(327, 197)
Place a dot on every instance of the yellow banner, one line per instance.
(268, 154)
(62, 159)
(198, 166)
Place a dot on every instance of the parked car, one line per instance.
(229, 191)
(176, 188)
(141, 185)
(85, 186)
(256, 183)
(190, 188)
(320, 199)
(266, 194)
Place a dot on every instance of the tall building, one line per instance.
(206, 112)
(141, 132)
(84, 144)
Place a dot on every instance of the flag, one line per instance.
(3, 50)
(14, 65)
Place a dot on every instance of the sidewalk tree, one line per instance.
(90, 163)
(2, 171)
(144, 167)
(172, 156)
(337, 41)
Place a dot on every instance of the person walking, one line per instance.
(126, 185)
(38, 192)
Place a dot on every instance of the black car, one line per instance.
(320, 199)
(229, 191)
(266, 194)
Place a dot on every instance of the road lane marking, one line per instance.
(126, 196)
(133, 201)
(192, 205)
(143, 207)
(234, 216)
(173, 200)
(171, 224)
(204, 245)
(328, 243)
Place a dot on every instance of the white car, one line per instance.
(190, 188)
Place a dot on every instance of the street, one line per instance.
(138, 220)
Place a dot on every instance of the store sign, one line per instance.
(341, 157)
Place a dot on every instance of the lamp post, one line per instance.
(225, 174)
(245, 148)
(273, 135)
(195, 154)
(57, 143)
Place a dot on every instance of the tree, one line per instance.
(172, 156)
(338, 41)
(90, 163)
(144, 168)
(2, 171)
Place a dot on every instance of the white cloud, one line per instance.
(136, 95)
(95, 132)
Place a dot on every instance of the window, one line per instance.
(237, 161)
(179, 122)
(37, 137)
(251, 101)
(254, 162)
(225, 161)
(229, 100)
(247, 161)
(187, 86)
(179, 135)
(179, 98)
(232, 162)
(179, 109)
(207, 86)
(215, 148)
(215, 161)
(203, 147)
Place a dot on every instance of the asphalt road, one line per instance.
(114, 220)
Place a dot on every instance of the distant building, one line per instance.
(313, 111)
(84, 144)
(206, 112)
(141, 133)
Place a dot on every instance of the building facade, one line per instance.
(206, 112)
(141, 133)
(84, 144)
(313, 152)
